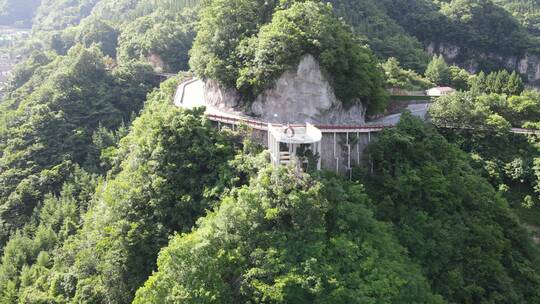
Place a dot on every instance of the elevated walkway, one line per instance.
(190, 94)
(337, 147)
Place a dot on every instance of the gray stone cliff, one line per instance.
(526, 64)
(300, 95)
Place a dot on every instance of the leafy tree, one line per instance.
(287, 238)
(311, 28)
(501, 82)
(438, 71)
(486, 26)
(478, 83)
(397, 77)
(161, 34)
(527, 12)
(52, 117)
(55, 15)
(224, 24)
(468, 242)
(459, 78)
(370, 19)
(95, 31)
(26, 70)
(481, 128)
(18, 12)
(170, 173)
(525, 107)
(490, 82)
(26, 259)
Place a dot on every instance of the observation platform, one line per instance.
(296, 143)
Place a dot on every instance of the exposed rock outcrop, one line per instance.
(526, 64)
(300, 95)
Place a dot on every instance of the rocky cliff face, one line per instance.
(300, 95)
(526, 64)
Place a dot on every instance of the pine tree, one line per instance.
(515, 84)
(478, 83)
(501, 82)
(490, 82)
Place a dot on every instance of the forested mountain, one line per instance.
(111, 194)
(18, 12)
(527, 12)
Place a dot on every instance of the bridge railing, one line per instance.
(483, 128)
(262, 125)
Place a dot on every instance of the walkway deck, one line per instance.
(190, 94)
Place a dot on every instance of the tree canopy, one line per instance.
(254, 57)
(287, 238)
(52, 117)
(454, 224)
(18, 12)
(111, 194)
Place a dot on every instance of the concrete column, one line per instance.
(358, 148)
(319, 151)
(348, 152)
(335, 153)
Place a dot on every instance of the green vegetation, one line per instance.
(453, 223)
(165, 174)
(438, 71)
(52, 118)
(527, 12)
(255, 57)
(53, 15)
(487, 26)
(162, 34)
(397, 77)
(101, 202)
(480, 125)
(385, 36)
(287, 238)
(18, 12)
(500, 82)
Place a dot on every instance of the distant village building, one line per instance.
(439, 91)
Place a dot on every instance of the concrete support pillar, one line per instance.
(348, 152)
(319, 151)
(358, 148)
(335, 153)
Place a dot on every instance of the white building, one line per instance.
(439, 91)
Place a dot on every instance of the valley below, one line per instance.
(9, 37)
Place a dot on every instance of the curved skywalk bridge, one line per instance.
(190, 94)
(339, 147)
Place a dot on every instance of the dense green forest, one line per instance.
(111, 194)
